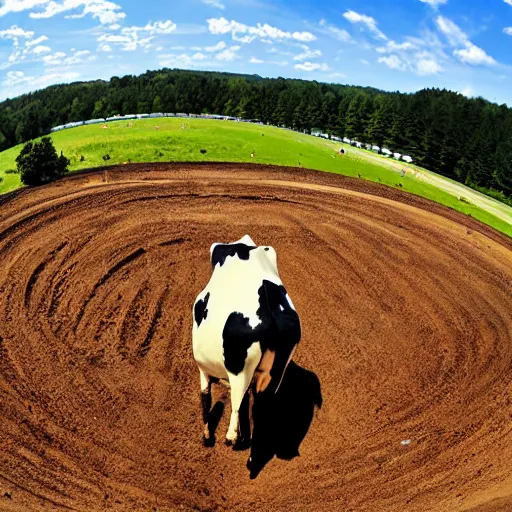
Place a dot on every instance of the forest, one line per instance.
(469, 140)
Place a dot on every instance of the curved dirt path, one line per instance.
(406, 309)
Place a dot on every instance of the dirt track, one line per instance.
(406, 310)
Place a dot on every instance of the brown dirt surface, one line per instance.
(406, 309)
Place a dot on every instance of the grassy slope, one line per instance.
(181, 140)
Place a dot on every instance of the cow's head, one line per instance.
(246, 250)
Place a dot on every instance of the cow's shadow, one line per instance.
(282, 420)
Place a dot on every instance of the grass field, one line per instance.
(223, 141)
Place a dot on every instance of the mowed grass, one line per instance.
(181, 140)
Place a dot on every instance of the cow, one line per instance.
(245, 330)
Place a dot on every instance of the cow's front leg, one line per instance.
(206, 402)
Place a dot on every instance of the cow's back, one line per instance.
(230, 302)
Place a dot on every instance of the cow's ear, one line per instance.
(212, 248)
(247, 240)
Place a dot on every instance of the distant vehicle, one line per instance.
(95, 121)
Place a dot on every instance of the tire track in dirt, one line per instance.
(406, 309)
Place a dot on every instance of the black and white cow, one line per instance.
(245, 328)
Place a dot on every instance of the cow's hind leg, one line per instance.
(206, 402)
(239, 428)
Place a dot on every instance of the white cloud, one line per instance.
(367, 21)
(408, 56)
(62, 59)
(19, 5)
(214, 3)
(244, 39)
(338, 33)
(159, 27)
(254, 60)
(467, 91)
(105, 48)
(184, 60)
(428, 67)
(24, 45)
(16, 82)
(311, 66)
(229, 54)
(508, 30)
(365, 62)
(41, 49)
(199, 58)
(474, 55)
(392, 47)
(466, 51)
(217, 48)
(131, 38)
(435, 3)
(265, 31)
(14, 32)
(55, 59)
(105, 11)
(455, 36)
(13, 77)
(39, 40)
(308, 54)
(393, 62)
(509, 2)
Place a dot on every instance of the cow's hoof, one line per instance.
(228, 442)
(209, 442)
(242, 444)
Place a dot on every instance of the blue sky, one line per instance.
(405, 45)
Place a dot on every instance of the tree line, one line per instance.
(469, 140)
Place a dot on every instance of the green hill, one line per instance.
(467, 140)
(192, 140)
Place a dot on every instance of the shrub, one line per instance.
(202, 151)
(82, 158)
(106, 157)
(38, 163)
(11, 171)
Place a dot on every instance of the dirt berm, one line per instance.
(406, 309)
